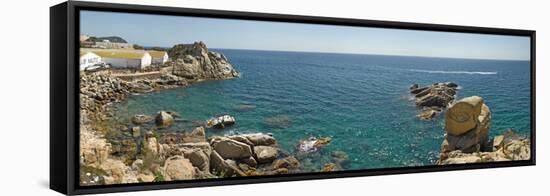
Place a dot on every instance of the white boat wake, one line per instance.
(456, 72)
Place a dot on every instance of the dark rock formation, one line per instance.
(194, 61)
(433, 98)
(436, 95)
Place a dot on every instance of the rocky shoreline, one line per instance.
(108, 159)
(135, 151)
(467, 126)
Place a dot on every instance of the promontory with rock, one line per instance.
(136, 151)
(467, 127)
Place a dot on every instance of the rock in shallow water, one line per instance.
(436, 95)
(427, 114)
(141, 119)
(164, 119)
(220, 122)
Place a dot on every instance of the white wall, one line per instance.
(161, 60)
(25, 104)
(145, 61)
(129, 63)
(89, 59)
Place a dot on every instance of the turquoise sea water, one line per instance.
(361, 101)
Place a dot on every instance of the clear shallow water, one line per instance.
(361, 101)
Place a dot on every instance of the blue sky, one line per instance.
(166, 31)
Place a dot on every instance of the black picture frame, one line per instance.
(64, 101)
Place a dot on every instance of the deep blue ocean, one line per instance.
(361, 101)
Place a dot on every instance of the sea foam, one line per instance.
(456, 72)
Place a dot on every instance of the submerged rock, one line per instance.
(288, 162)
(313, 144)
(330, 167)
(245, 107)
(279, 121)
(141, 119)
(427, 114)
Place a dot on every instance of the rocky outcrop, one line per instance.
(507, 147)
(93, 149)
(96, 161)
(194, 61)
(105, 159)
(467, 124)
(433, 98)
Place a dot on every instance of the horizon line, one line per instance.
(297, 51)
(275, 50)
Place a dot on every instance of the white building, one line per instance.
(88, 59)
(125, 59)
(158, 57)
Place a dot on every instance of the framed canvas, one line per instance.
(147, 97)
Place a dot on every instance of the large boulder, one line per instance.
(164, 119)
(462, 116)
(255, 139)
(198, 158)
(484, 120)
(467, 124)
(178, 168)
(266, 154)
(231, 149)
(221, 166)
